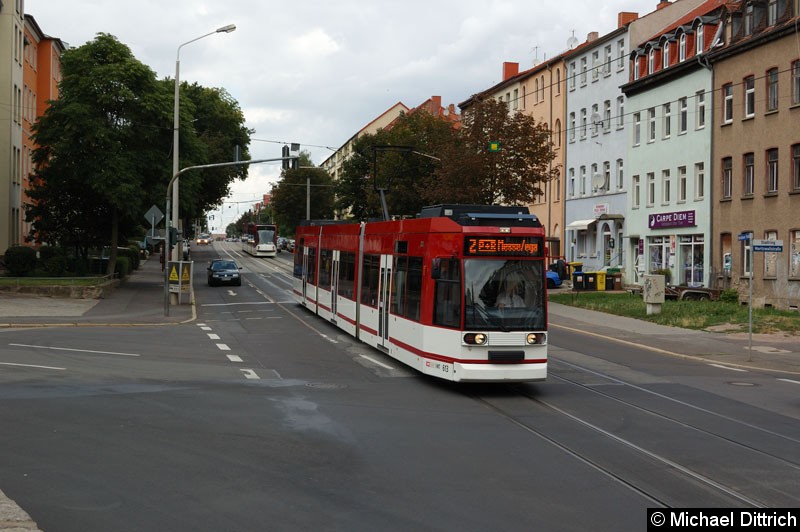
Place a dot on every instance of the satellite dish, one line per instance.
(571, 42)
(598, 182)
(597, 119)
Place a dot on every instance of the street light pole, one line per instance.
(176, 121)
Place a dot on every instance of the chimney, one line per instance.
(626, 17)
(437, 103)
(662, 4)
(593, 36)
(510, 70)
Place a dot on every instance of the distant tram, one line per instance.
(260, 240)
(457, 293)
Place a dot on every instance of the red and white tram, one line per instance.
(457, 293)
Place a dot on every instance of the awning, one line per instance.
(580, 225)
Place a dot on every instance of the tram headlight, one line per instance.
(475, 339)
(536, 338)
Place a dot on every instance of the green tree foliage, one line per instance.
(289, 195)
(105, 149)
(516, 174)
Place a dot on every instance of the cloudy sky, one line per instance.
(315, 72)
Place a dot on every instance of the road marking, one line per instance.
(721, 366)
(30, 366)
(231, 293)
(234, 358)
(250, 374)
(234, 304)
(76, 350)
(381, 364)
(223, 347)
(206, 328)
(201, 324)
(212, 336)
(789, 380)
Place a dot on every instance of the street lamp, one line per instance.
(176, 119)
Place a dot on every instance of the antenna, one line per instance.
(572, 41)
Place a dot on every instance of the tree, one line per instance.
(289, 195)
(516, 174)
(96, 146)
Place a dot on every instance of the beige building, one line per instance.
(756, 151)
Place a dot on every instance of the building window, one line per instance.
(620, 54)
(573, 73)
(772, 89)
(596, 124)
(606, 176)
(727, 106)
(772, 12)
(636, 192)
(682, 48)
(558, 81)
(699, 181)
(749, 97)
(572, 127)
(683, 120)
(698, 40)
(542, 87)
(621, 174)
(748, 20)
(666, 111)
(772, 170)
(700, 109)
(651, 61)
(651, 124)
(592, 176)
(583, 181)
(636, 67)
(666, 187)
(681, 184)
(607, 60)
(665, 56)
(749, 173)
(583, 123)
(595, 65)
(620, 112)
(583, 70)
(651, 189)
(607, 116)
(637, 129)
(796, 167)
(796, 83)
(794, 253)
(571, 182)
(727, 174)
(770, 259)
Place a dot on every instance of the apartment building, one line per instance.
(756, 152)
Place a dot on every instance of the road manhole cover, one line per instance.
(735, 383)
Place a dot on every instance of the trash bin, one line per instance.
(575, 267)
(578, 281)
(590, 281)
(601, 280)
(617, 280)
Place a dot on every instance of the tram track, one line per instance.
(669, 477)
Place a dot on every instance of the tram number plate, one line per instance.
(444, 368)
(488, 246)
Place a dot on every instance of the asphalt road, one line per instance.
(258, 416)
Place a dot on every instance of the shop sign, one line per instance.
(672, 219)
(600, 209)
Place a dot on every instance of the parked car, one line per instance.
(224, 271)
(290, 245)
(553, 279)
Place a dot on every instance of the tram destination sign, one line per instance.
(503, 246)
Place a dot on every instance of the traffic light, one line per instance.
(173, 236)
(285, 154)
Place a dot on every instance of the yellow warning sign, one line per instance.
(173, 275)
(185, 272)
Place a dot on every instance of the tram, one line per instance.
(260, 240)
(457, 292)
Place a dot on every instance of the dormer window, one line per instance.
(636, 73)
(651, 61)
(665, 56)
(682, 48)
(698, 39)
(772, 12)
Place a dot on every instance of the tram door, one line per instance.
(384, 293)
(334, 283)
(304, 276)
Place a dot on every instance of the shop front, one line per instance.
(675, 248)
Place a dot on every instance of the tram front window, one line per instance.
(506, 295)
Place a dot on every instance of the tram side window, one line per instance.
(312, 265)
(347, 274)
(447, 305)
(298, 259)
(325, 268)
(407, 287)
(369, 280)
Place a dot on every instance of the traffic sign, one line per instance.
(154, 215)
(768, 246)
(745, 236)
